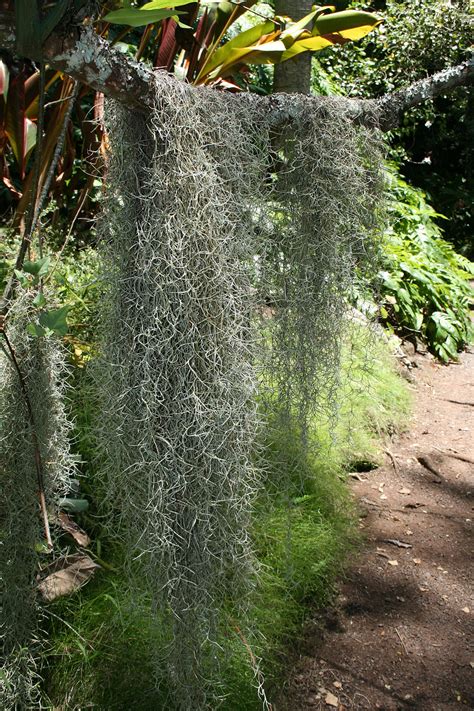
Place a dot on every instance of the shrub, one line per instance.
(424, 285)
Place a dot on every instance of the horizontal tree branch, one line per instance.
(79, 52)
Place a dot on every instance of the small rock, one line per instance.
(331, 700)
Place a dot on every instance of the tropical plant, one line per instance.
(435, 141)
(193, 39)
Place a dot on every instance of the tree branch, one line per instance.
(79, 52)
(390, 108)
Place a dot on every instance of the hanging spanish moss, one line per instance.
(178, 417)
(208, 217)
(325, 204)
(40, 372)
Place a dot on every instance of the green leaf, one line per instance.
(22, 278)
(34, 330)
(39, 300)
(243, 49)
(38, 268)
(55, 320)
(136, 17)
(351, 24)
(74, 505)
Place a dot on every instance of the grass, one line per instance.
(101, 639)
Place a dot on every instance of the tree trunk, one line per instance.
(294, 76)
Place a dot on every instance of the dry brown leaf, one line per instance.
(69, 574)
(393, 562)
(331, 700)
(71, 527)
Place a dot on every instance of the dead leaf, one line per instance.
(331, 700)
(337, 684)
(71, 527)
(393, 562)
(69, 574)
(404, 491)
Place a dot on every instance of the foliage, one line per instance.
(196, 42)
(424, 284)
(435, 140)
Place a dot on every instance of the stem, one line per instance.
(34, 438)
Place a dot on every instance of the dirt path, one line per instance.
(400, 636)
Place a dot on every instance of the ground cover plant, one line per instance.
(425, 283)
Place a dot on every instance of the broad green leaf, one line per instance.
(55, 320)
(297, 30)
(136, 17)
(228, 53)
(354, 22)
(53, 18)
(37, 268)
(337, 28)
(265, 53)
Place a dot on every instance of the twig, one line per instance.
(425, 462)
(34, 438)
(401, 640)
(461, 457)
(392, 459)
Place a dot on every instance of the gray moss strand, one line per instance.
(207, 216)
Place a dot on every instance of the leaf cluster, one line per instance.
(424, 283)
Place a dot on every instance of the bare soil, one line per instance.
(400, 633)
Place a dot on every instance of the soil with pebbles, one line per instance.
(400, 635)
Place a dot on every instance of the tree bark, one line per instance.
(79, 52)
(294, 76)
